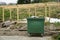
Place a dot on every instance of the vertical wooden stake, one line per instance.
(17, 14)
(29, 12)
(46, 10)
(10, 14)
(3, 14)
(35, 12)
(49, 13)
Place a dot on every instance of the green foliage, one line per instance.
(0, 13)
(23, 15)
(7, 14)
(56, 36)
(45, 0)
(57, 24)
(34, 1)
(47, 23)
(14, 13)
(23, 1)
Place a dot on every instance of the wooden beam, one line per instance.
(29, 5)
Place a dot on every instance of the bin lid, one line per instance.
(35, 18)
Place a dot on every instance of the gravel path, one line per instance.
(23, 38)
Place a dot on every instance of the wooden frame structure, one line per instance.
(28, 6)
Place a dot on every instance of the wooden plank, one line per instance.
(29, 5)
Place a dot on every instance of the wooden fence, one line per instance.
(28, 8)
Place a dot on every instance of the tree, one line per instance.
(33, 1)
(23, 1)
(45, 0)
(2, 3)
(37, 1)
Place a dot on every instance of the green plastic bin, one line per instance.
(35, 25)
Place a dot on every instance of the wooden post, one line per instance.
(45, 10)
(3, 14)
(35, 12)
(10, 14)
(45, 15)
(17, 14)
(49, 13)
(29, 12)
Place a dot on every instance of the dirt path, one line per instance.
(24, 38)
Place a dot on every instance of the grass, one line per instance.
(57, 24)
